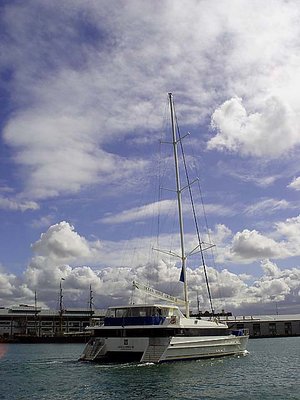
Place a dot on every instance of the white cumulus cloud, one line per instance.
(268, 132)
(113, 284)
(295, 184)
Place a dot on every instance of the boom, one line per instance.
(157, 293)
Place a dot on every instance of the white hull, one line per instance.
(204, 347)
(161, 349)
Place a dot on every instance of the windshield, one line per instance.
(148, 311)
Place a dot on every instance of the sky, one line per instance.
(84, 121)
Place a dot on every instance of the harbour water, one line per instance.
(51, 371)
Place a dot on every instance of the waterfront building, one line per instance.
(24, 320)
(266, 325)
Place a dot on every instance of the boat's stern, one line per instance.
(115, 349)
(94, 348)
(242, 335)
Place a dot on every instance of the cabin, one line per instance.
(140, 315)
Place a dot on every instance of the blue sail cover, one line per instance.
(181, 275)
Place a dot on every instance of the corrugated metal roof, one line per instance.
(263, 318)
(15, 311)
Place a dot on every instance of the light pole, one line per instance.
(61, 309)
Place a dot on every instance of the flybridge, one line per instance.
(140, 315)
(157, 293)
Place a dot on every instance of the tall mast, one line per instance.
(179, 202)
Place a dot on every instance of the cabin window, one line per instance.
(110, 313)
(151, 311)
(121, 312)
(168, 312)
(165, 312)
(116, 312)
(137, 312)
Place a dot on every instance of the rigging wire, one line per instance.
(209, 235)
(213, 250)
(200, 242)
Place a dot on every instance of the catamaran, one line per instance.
(155, 333)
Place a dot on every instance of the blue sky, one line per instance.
(83, 107)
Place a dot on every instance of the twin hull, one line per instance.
(159, 349)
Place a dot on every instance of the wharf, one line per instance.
(265, 326)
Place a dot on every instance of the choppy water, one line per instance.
(51, 371)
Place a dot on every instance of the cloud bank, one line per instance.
(57, 253)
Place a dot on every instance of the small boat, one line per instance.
(155, 333)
